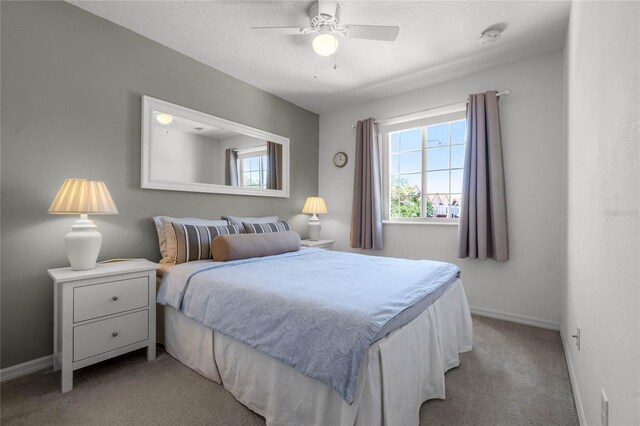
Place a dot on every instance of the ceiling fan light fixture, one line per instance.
(325, 44)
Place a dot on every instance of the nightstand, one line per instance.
(325, 244)
(101, 313)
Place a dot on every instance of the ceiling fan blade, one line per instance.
(373, 32)
(280, 30)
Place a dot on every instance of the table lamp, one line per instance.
(83, 197)
(314, 206)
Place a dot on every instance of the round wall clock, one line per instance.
(340, 159)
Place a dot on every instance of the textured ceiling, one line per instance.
(438, 41)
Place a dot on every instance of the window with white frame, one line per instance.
(253, 167)
(423, 166)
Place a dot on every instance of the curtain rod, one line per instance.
(505, 92)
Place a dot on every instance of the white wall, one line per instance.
(178, 156)
(526, 287)
(603, 233)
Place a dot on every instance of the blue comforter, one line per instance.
(315, 310)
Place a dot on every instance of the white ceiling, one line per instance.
(438, 41)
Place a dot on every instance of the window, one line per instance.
(424, 163)
(253, 168)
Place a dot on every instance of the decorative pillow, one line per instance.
(245, 246)
(167, 236)
(194, 241)
(238, 220)
(266, 228)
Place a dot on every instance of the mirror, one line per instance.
(187, 150)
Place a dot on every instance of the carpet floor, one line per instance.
(516, 375)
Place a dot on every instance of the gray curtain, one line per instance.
(231, 167)
(274, 165)
(366, 213)
(482, 232)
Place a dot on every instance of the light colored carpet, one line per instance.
(516, 375)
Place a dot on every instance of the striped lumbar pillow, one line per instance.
(265, 228)
(193, 242)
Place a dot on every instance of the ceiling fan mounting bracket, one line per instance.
(321, 19)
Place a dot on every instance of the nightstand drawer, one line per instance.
(106, 335)
(94, 301)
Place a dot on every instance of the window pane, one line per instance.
(246, 164)
(246, 177)
(414, 180)
(454, 208)
(255, 178)
(456, 180)
(395, 162)
(255, 163)
(457, 131)
(411, 139)
(395, 142)
(457, 156)
(438, 135)
(431, 212)
(264, 179)
(438, 182)
(438, 205)
(437, 158)
(405, 198)
(264, 162)
(410, 162)
(441, 171)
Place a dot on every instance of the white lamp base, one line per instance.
(83, 244)
(314, 228)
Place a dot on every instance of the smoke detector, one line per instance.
(490, 36)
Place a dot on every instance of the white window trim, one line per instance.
(452, 113)
(419, 221)
(251, 152)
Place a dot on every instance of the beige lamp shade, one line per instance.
(314, 205)
(81, 196)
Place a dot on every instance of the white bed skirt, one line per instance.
(398, 373)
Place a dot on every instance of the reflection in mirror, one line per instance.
(192, 151)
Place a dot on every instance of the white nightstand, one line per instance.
(101, 313)
(325, 244)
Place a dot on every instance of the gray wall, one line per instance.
(71, 87)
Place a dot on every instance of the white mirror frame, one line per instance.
(150, 104)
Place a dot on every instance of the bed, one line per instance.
(408, 344)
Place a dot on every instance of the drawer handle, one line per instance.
(114, 334)
(114, 298)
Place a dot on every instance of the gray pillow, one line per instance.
(245, 246)
(167, 236)
(193, 242)
(237, 220)
(265, 228)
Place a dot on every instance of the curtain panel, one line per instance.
(366, 213)
(482, 233)
(274, 165)
(231, 167)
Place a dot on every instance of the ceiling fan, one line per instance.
(324, 19)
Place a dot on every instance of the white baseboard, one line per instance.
(574, 384)
(26, 368)
(521, 319)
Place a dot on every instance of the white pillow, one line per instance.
(167, 235)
